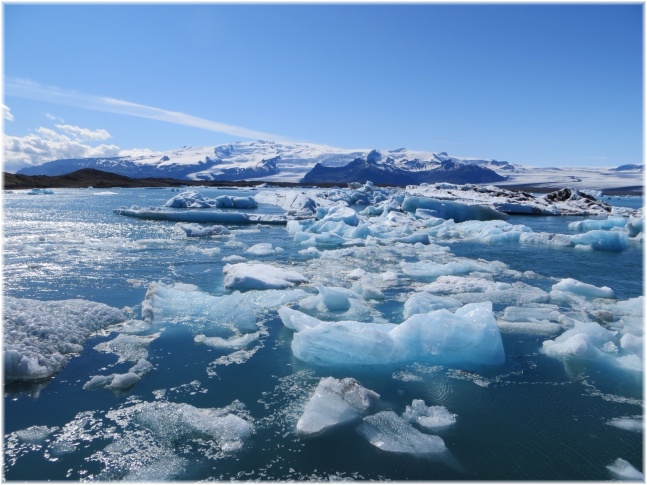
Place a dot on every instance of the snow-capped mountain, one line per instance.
(311, 163)
(271, 161)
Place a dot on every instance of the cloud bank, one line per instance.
(47, 144)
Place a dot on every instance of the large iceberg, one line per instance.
(457, 211)
(469, 336)
(40, 336)
(335, 402)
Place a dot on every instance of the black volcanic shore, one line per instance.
(90, 177)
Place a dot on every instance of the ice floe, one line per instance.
(40, 336)
(259, 276)
(623, 470)
(389, 432)
(335, 402)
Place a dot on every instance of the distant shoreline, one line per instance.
(89, 177)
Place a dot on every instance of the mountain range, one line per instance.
(310, 163)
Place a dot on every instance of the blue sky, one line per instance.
(551, 84)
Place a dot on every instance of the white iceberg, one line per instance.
(334, 403)
(469, 336)
(430, 418)
(258, 276)
(196, 230)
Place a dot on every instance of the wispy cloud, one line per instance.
(7, 113)
(32, 90)
(84, 133)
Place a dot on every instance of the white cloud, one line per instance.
(7, 113)
(50, 116)
(47, 144)
(32, 90)
(84, 133)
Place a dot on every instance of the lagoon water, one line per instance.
(535, 417)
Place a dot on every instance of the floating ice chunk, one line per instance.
(344, 343)
(124, 381)
(423, 302)
(389, 432)
(40, 192)
(230, 201)
(204, 313)
(623, 470)
(196, 230)
(585, 341)
(204, 216)
(428, 270)
(634, 226)
(546, 239)
(331, 298)
(535, 319)
(294, 202)
(141, 367)
(261, 249)
(338, 213)
(598, 224)
(257, 276)
(335, 403)
(627, 423)
(630, 362)
(457, 211)
(468, 336)
(432, 418)
(296, 320)
(174, 422)
(98, 381)
(472, 290)
(40, 336)
(583, 289)
(192, 200)
(367, 290)
(230, 343)
(603, 240)
(632, 343)
(35, 434)
(129, 348)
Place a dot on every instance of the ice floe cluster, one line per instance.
(41, 336)
(337, 403)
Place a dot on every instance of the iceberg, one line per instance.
(423, 302)
(41, 336)
(623, 470)
(600, 240)
(429, 418)
(389, 432)
(445, 209)
(583, 289)
(335, 402)
(195, 200)
(469, 336)
(598, 224)
(196, 230)
(206, 216)
(258, 276)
